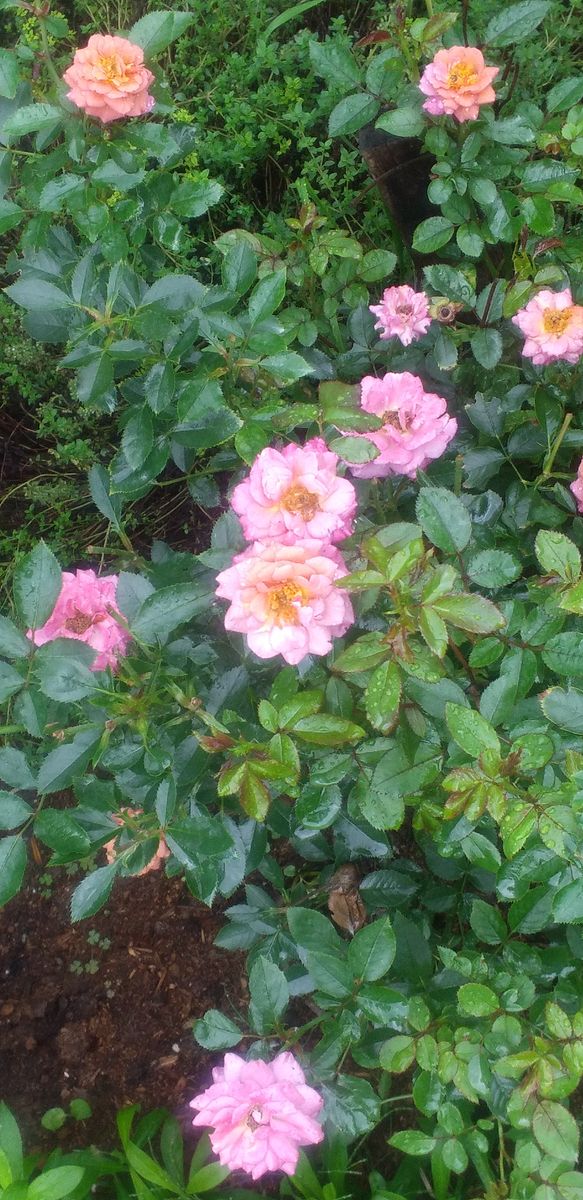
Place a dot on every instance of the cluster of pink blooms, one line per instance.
(108, 79)
(293, 506)
(260, 1114)
(155, 863)
(85, 611)
(402, 313)
(457, 83)
(553, 328)
(417, 427)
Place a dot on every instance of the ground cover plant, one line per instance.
(355, 715)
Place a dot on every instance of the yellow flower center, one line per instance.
(301, 502)
(283, 601)
(555, 320)
(114, 69)
(461, 75)
(80, 623)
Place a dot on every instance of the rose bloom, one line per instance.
(108, 79)
(553, 328)
(84, 612)
(402, 313)
(155, 863)
(577, 487)
(296, 490)
(284, 600)
(260, 1114)
(457, 83)
(417, 425)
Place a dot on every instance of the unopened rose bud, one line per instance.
(216, 743)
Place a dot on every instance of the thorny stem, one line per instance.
(47, 51)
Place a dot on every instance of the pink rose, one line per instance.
(577, 487)
(155, 863)
(260, 1114)
(553, 328)
(108, 79)
(296, 490)
(402, 313)
(284, 600)
(417, 425)
(457, 83)
(84, 611)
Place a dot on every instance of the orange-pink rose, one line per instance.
(108, 79)
(111, 848)
(457, 83)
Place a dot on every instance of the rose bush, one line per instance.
(394, 690)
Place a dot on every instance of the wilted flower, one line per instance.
(402, 313)
(444, 310)
(284, 600)
(155, 863)
(108, 79)
(260, 1114)
(577, 487)
(457, 83)
(417, 427)
(296, 490)
(84, 611)
(553, 327)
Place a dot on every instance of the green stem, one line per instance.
(47, 53)
(548, 464)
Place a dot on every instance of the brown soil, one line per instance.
(122, 1034)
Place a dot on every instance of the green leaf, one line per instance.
(487, 347)
(269, 994)
(366, 652)
(193, 198)
(563, 653)
(30, 119)
(556, 1131)
(382, 696)
(162, 612)
(9, 74)
(10, 681)
(444, 519)
(558, 555)
(397, 1054)
(537, 176)
(493, 568)
(407, 121)
(55, 1183)
(267, 296)
(11, 1141)
(14, 769)
(451, 283)
(487, 923)
(477, 1000)
(568, 902)
(335, 64)
(99, 486)
(13, 643)
(565, 93)
(215, 1031)
(377, 265)
(394, 779)
(206, 1178)
(563, 708)
(67, 761)
(93, 891)
(37, 585)
(411, 1141)
(63, 671)
(12, 866)
(10, 215)
(352, 1108)
(63, 834)
(473, 613)
(56, 191)
(515, 22)
(469, 729)
(511, 131)
(13, 811)
(138, 439)
(351, 113)
(239, 267)
(205, 419)
(354, 449)
(157, 30)
(286, 368)
(432, 234)
(372, 950)
(159, 386)
(149, 1169)
(326, 730)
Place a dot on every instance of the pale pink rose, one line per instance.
(84, 612)
(284, 600)
(457, 83)
(402, 313)
(553, 328)
(417, 425)
(155, 863)
(577, 487)
(108, 79)
(296, 490)
(260, 1114)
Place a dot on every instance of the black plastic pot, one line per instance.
(401, 172)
